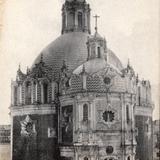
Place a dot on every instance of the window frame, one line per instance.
(45, 93)
(98, 52)
(85, 114)
(28, 93)
(127, 113)
(109, 118)
(80, 19)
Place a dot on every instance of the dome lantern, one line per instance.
(75, 16)
(97, 47)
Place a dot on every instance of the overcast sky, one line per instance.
(131, 28)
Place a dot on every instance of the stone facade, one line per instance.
(143, 116)
(78, 102)
(156, 140)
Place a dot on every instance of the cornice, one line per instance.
(32, 109)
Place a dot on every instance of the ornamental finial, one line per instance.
(19, 67)
(137, 78)
(128, 65)
(41, 58)
(64, 66)
(28, 70)
(83, 69)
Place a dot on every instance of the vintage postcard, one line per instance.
(79, 79)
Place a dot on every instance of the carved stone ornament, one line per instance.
(27, 127)
(107, 75)
(108, 71)
(107, 80)
(41, 70)
(109, 149)
(64, 77)
(108, 116)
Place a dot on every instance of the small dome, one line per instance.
(91, 66)
(94, 66)
(97, 35)
(72, 48)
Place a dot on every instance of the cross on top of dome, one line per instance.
(96, 18)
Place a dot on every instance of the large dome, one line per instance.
(72, 48)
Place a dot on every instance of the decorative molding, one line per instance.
(33, 109)
(143, 111)
(28, 127)
(108, 108)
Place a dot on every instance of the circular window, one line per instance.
(109, 150)
(108, 116)
(29, 127)
(107, 80)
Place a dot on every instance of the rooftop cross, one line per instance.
(96, 18)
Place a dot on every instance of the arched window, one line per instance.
(28, 93)
(146, 127)
(128, 158)
(85, 112)
(127, 114)
(64, 21)
(109, 150)
(34, 91)
(79, 19)
(15, 95)
(71, 19)
(45, 93)
(85, 158)
(139, 96)
(99, 52)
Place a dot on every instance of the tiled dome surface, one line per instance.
(72, 48)
(91, 66)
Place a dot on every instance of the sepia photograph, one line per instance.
(80, 80)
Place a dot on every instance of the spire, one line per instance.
(83, 69)
(128, 65)
(64, 66)
(96, 23)
(28, 70)
(20, 75)
(19, 67)
(84, 77)
(41, 58)
(137, 79)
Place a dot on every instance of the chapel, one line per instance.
(78, 101)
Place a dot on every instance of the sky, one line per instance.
(131, 28)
